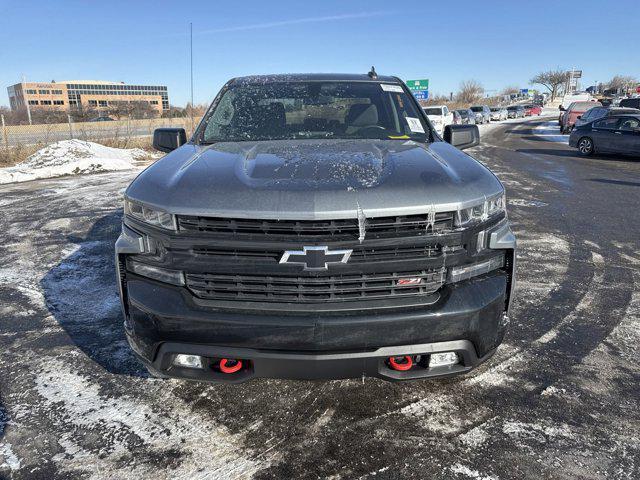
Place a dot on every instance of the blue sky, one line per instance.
(495, 42)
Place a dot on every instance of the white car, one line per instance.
(498, 113)
(440, 116)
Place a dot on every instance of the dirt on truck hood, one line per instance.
(313, 179)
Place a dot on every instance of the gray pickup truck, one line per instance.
(315, 227)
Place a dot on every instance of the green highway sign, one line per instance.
(418, 84)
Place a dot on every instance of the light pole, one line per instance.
(191, 55)
(26, 102)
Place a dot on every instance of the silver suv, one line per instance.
(483, 113)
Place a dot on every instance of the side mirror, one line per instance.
(462, 136)
(579, 117)
(168, 139)
(561, 108)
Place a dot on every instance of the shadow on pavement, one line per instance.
(558, 152)
(568, 152)
(81, 293)
(615, 182)
(4, 419)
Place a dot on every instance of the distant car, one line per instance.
(630, 102)
(531, 110)
(575, 97)
(499, 113)
(468, 117)
(483, 113)
(439, 116)
(457, 119)
(571, 114)
(102, 119)
(515, 111)
(596, 113)
(616, 134)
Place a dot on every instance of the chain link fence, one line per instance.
(19, 141)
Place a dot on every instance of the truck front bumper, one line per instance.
(467, 318)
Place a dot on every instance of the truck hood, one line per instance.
(314, 179)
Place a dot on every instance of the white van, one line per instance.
(576, 97)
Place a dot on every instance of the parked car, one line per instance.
(597, 113)
(483, 113)
(499, 113)
(468, 117)
(614, 134)
(457, 119)
(571, 114)
(531, 110)
(439, 116)
(630, 102)
(267, 244)
(515, 111)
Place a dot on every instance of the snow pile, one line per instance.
(71, 157)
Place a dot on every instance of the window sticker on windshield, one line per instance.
(414, 124)
(391, 88)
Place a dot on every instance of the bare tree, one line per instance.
(470, 92)
(435, 100)
(552, 80)
(622, 83)
(509, 90)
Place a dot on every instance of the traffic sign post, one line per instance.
(418, 84)
(419, 88)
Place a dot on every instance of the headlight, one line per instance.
(482, 211)
(174, 277)
(149, 215)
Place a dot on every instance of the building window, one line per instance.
(154, 102)
(43, 92)
(93, 103)
(102, 103)
(58, 102)
(56, 92)
(31, 92)
(45, 102)
(33, 102)
(73, 103)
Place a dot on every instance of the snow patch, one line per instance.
(210, 449)
(520, 202)
(460, 469)
(9, 459)
(550, 131)
(71, 157)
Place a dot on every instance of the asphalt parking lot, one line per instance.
(558, 401)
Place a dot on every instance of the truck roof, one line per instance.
(310, 77)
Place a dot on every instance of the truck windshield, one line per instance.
(476, 109)
(313, 110)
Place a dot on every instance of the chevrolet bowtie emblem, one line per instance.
(315, 258)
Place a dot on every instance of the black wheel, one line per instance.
(585, 146)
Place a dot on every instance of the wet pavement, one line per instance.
(559, 400)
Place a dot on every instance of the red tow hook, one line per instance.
(229, 365)
(402, 364)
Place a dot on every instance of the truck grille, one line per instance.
(396, 226)
(360, 254)
(298, 289)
